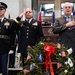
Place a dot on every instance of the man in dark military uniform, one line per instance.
(6, 29)
(30, 33)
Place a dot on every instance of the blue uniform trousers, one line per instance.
(3, 63)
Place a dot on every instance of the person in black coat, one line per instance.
(65, 27)
(30, 33)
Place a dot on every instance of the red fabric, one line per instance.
(49, 50)
(51, 67)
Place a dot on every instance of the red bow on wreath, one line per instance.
(49, 50)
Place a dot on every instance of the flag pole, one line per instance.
(40, 16)
(9, 14)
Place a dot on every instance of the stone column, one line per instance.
(57, 8)
(27, 4)
(15, 7)
(74, 6)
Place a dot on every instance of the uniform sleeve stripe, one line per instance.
(17, 21)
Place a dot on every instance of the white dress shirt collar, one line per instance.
(29, 20)
(2, 19)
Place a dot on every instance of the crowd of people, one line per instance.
(29, 32)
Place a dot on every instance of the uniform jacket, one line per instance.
(6, 28)
(30, 34)
(66, 35)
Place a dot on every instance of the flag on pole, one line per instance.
(59, 65)
(9, 14)
(40, 16)
(40, 57)
(26, 71)
(53, 18)
(28, 57)
(32, 66)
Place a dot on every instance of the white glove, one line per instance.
(11, 52)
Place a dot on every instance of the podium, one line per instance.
(50, 37)
(48, 33)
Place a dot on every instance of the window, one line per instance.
(47, 9)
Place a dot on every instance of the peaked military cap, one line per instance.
(3, 5)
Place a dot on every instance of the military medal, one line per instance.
(6, 24)
(35, 24)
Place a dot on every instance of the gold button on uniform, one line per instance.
(27, 27)
(27, 30)
(27, 33)
(26, 36)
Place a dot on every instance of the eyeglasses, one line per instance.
(1, 8)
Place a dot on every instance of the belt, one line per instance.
(4, 36)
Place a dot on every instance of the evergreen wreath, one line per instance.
(66, 65)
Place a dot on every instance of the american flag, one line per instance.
(28, 57)
(40, 16)
(26, 71)
(58, 65)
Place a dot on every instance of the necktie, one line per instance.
(68, 19)
(28, 21)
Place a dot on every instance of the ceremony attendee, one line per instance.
(30, 33)
(65, 27)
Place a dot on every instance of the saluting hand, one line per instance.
(21, 15)
(71, 23)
